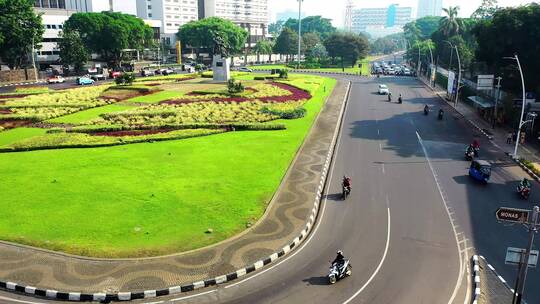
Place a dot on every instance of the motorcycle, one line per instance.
(524, 192)
(339, 271)
(400, 100)
(476, 151)
(426, 110)
(346, 191)
(440, 117)
(469, 154)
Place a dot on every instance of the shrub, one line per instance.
(234, 87)
(298, 112)
(283, 74)
(125, 79)
(260, 78)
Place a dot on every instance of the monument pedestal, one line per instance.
(221, 69)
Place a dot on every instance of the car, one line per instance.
(55, 79)
(167, 71)
(244, 69)
(407, 72)
(147, 72)
(383, 89)
(115, 74)
(390, 71)
(97, 77)
(84, 80)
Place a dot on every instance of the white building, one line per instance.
(377, 19)
(172, 14)
(429, 8)
(251, 15)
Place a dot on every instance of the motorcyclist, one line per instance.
(340, 258)
(470, 149)
(400, 99)
(476, 146)
(441, 112)
(525, 184)
(389, 96)
(426, 109)
(346, 183)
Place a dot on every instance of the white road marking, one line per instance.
(382, 167)
(454, 226)
(378, 132)
(380, 263)
(380, 147)
(193, 296)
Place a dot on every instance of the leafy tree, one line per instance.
(451, 24)
(348, 47)
(276, 27)
(72, 50)
(263, 47)
(485, 10)
(385, 45)
(312, 24)
(421, 29)
(319, 51)
(309, 41)
(109, 33)
(286, 42)
(511, 31)
(125, 79)
(204, 33)
(20, 26)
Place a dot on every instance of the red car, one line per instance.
(55, 79)
(115, 74)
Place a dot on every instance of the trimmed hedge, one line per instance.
(113, 128)
(140, 89)
(294, 114)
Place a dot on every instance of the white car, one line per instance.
(244, 69)
(383, 89)
(55, 79)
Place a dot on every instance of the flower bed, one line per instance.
(131, 133)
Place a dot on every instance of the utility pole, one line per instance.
(459, 78)
(521, 122)
(497, 97)
(525, 261)
(34, 59)
(299, 32)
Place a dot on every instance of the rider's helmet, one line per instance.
(340, 252)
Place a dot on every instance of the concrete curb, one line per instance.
(529, 171)
(498, 276)
(476, 281)
(128, 296)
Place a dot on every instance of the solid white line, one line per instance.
(380, 147)
(382, 167)
(460, 277)
(378, 266)
(192, 296)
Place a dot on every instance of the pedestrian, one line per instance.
(509, 138)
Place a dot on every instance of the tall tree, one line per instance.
(485, 10)
(348, 47)
(276, 27)
(20, 26)
(309, 41)
(319, 52)
(108, 33)
(72, 50)
(286, 42)
(206, 32)
(451, 24)
(313, 24)
(263, 47)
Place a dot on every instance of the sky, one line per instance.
(336, 9)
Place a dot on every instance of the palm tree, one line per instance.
(451, 24)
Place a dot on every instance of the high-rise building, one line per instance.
(252, 15)
(127, 7)
(172, 14)
(379, 21)
(429, 8)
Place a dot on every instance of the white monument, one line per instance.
(221, 68)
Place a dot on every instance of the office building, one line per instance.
(429, 8)
(171, 13)
(380, 20)
(123, 6)
(251, 15)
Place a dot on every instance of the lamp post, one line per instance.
(459, 70)
(431, 68)
(299, 32)
(521, 122)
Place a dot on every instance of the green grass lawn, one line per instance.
(150, 198)
(10, 136)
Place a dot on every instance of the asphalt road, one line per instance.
(405, 245)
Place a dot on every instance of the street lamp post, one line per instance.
(521, 122)
(299, 32)
(459, 69)
(431, 68)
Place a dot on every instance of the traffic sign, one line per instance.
(485, 82)
(512, 215)
(514, 256)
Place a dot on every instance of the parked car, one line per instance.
(84, 80)
(167, 71)
(407, 72)
(244, 69)
(115, 74)
(383, 89)
(55, 79)
(97, 77)
(147, 72)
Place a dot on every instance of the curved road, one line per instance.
(411, 220)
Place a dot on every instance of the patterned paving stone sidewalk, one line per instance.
(283, 221)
